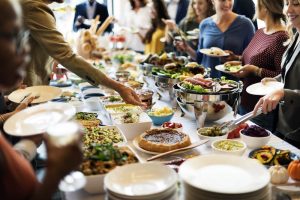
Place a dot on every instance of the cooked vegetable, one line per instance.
(255, 131)
(213, 131)
(86, 116)
(294, 170)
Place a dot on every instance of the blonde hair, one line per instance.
(191, 15)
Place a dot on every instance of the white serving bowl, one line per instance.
(140, 180)
(238, 152)
(94, 184)
(132, 130)
(255, 142)
(211, 138)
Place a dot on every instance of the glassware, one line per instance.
(62, 134)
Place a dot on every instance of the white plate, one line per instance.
(35, 120)
(261, 89)
(140, 179)
(224, 174)
(207, 52)
(45, 93)
(222, 69)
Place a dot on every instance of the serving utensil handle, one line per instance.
(177, 150)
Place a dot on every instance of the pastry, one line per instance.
(163, 140)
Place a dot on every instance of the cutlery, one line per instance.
(297, 184)
(27, 95)
(234, 123)
(194, 145)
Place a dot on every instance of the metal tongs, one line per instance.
(230, 125)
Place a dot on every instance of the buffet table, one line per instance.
(189, 127)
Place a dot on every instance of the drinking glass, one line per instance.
(62, 134)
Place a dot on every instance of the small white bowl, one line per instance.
(211, 138)
(255, 142)
(238, 152)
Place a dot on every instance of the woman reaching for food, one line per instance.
(287, 99)
(263, 55)
(225, 30)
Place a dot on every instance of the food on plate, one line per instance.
(171, 66)
(164, 111)
(294, 170)
(113, 99)
(255, 131)
(207, 85)
(233, 66)
(68, 94)
(87, 119)
(268, 155)
(218, 107)
(128, 65)
(134, 84)
(213, 131)
(102, 158)
(129, 117)
(122, 75)
(163, 140)
(145, 96)
(164, 59)
(235, 133)
(229, 145)
(101, 135)
(172, 125)
(122, 108)
(122, 58)
(215, 51)
(279, 174)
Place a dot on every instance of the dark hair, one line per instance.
(161, 11)
(275, 8)
(143, 3)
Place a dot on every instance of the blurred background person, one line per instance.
(246, 8)
(14, 161)
(157, 30)
(89, 10)
(287, 99)
(138, 20)
(225, 30)
(197, 11)
(177, 9)
(262, 57)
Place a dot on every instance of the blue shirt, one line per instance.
(236, 38)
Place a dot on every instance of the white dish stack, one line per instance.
(219, 177)
(141, 181)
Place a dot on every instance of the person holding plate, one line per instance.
(225, 30)
(263, 55)
(287, 99)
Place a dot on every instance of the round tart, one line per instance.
(163, 140)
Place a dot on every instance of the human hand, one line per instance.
(80, 19)
(24, 104)
(37, 139)
(170, 23)
(245, 71)
(231, 56)
(56, 157)
(129, 96)
(269, 102)
(265, 80)
(181, 45)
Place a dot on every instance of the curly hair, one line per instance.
(191, 15)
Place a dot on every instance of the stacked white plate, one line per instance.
(222, 177)
(147, 181)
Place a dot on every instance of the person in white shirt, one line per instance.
(138, 21)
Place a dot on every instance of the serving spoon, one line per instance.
(194, 145)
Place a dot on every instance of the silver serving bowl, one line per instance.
(205, 106)
(146, 69)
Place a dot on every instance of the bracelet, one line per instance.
(2, 119)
